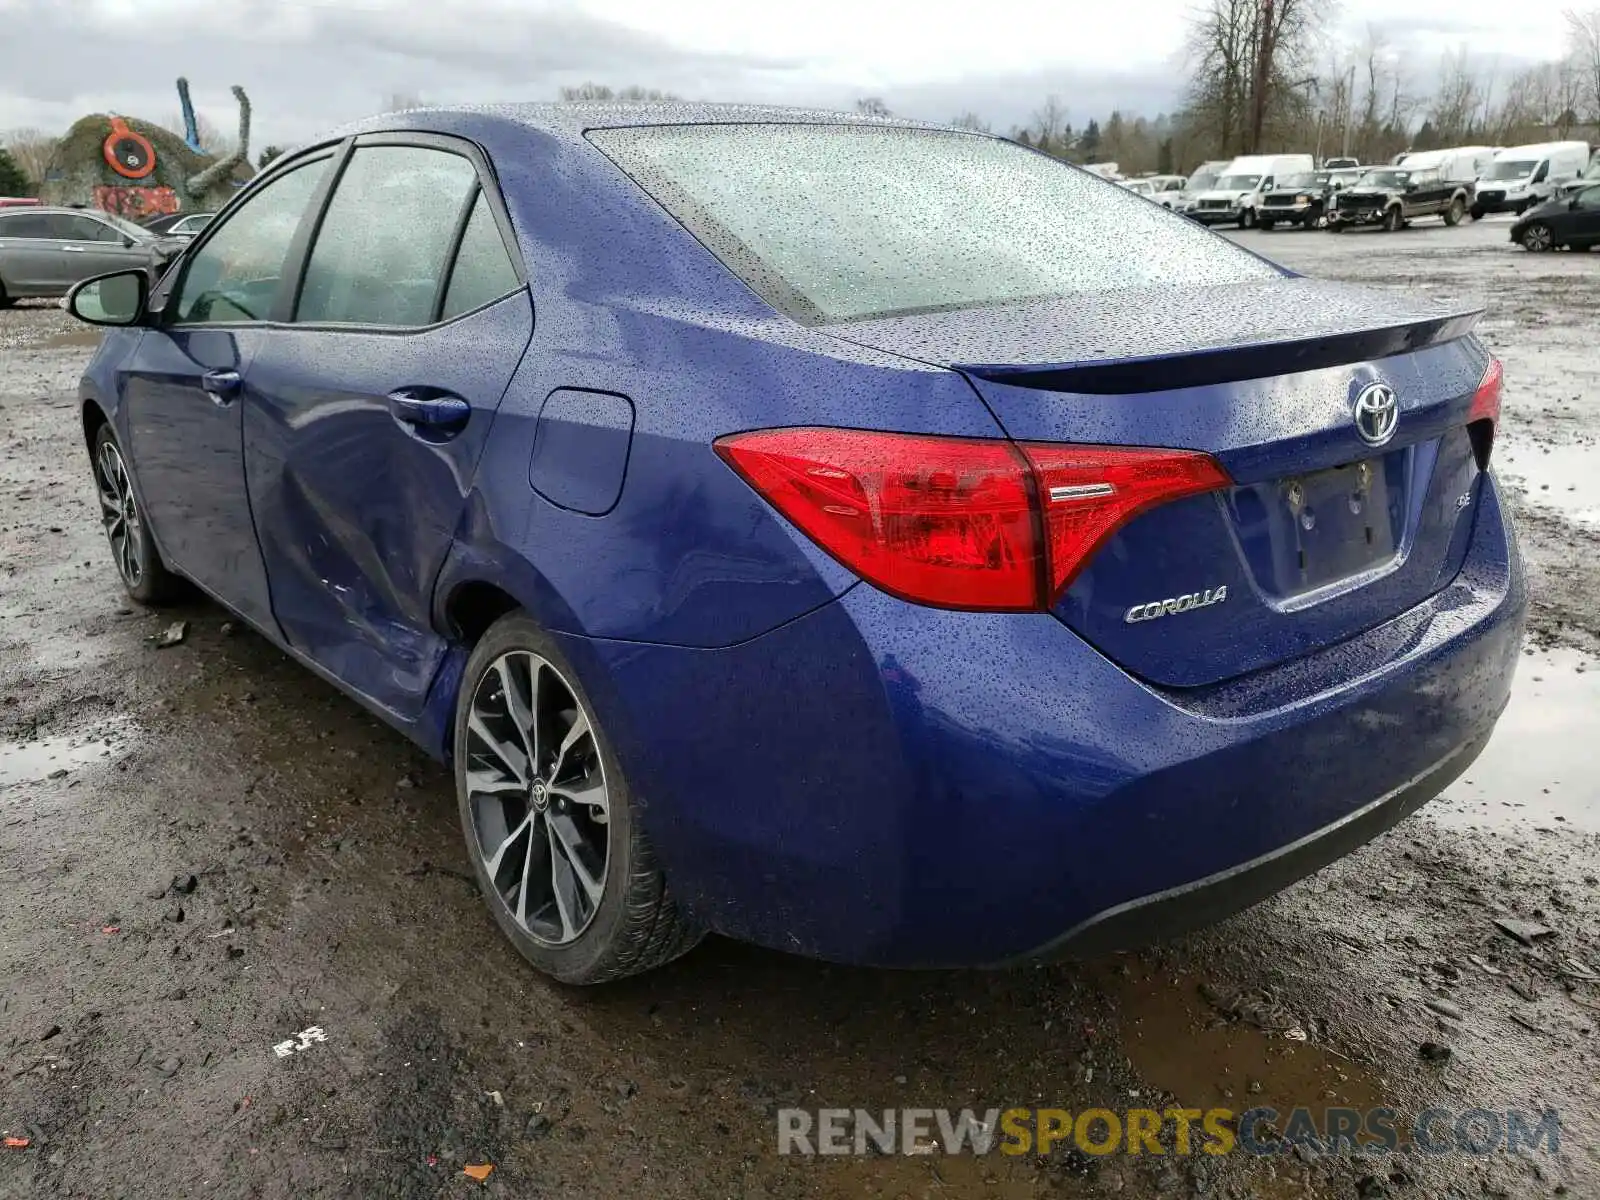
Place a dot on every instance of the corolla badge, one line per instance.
(1377, 412)
(1176, 604)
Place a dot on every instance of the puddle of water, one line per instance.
(1539, 768)
(1177, 1042)
(36, 761)
(1565, 478)
(88, 338)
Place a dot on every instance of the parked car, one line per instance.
(1202, 179)
(179, 224)
(1393, 196)
(44, 251)
(1139, 187)
(1572, 221)
(1521, 177)
(1335, 164)
(1167, 190)
(1297, 200)
(1590, 175)
(1235, 197)
(852, 569)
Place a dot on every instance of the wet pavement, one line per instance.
(242, 954)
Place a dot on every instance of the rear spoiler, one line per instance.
(1227, 364)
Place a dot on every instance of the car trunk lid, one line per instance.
(1321, 536)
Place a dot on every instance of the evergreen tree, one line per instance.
(12, 181)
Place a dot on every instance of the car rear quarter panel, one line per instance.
(627, 303)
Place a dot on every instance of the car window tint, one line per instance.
(385, 240)
(841, 222)
(236, 274)
(1589, 198)
(482, 270)
(87, 229)
(29, 225)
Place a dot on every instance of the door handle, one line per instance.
(221, 386)
(441, 414)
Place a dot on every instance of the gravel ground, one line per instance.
(205, 851)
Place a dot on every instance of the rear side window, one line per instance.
(31, 225)
(384, 244)
(482, 270)
(842, 222)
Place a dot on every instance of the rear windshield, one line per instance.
(834, 223)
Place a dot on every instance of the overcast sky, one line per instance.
(310, 64)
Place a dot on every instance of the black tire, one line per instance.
(1267, 225)
(1247, 219)
(1538, 238)
(1335, 226)
(144, 576)
(1394, 220)
(1478, 213)
(1453, 214)
(636, 924)
(5, 300)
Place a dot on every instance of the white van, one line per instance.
(1232, 200)
(1458, 164)
(1522, 176)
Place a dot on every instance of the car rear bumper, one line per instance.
(881, 783)
(1203, 902)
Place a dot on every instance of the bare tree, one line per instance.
(970, 120)
(1583, 38)
(873, 106)
(1249, 60)
(213, 141)
(591, 92)
(33, 150)
(1049, 127)
(1456, 102)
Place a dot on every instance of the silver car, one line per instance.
(44, 251)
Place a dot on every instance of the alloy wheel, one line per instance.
(1537, 237)
(119, 513)
(536, 789)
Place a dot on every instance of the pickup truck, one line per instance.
(1393, 196)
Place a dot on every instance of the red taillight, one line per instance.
(1486, 403)
(1484, 415)
(1089, 492)
(960, 523)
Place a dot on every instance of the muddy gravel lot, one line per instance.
(241, 954)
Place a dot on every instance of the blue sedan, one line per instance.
(873, 540)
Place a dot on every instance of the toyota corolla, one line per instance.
(873, 540)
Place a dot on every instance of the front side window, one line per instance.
(237, 274)
(384, 243)
(835, 223)
(1589, 198)
(87, 229)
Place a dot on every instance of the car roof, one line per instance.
(57, 210)
(570, 121)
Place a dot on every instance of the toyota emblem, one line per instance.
(1377, 413)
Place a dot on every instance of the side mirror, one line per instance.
(120, 298)
(127, 242)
